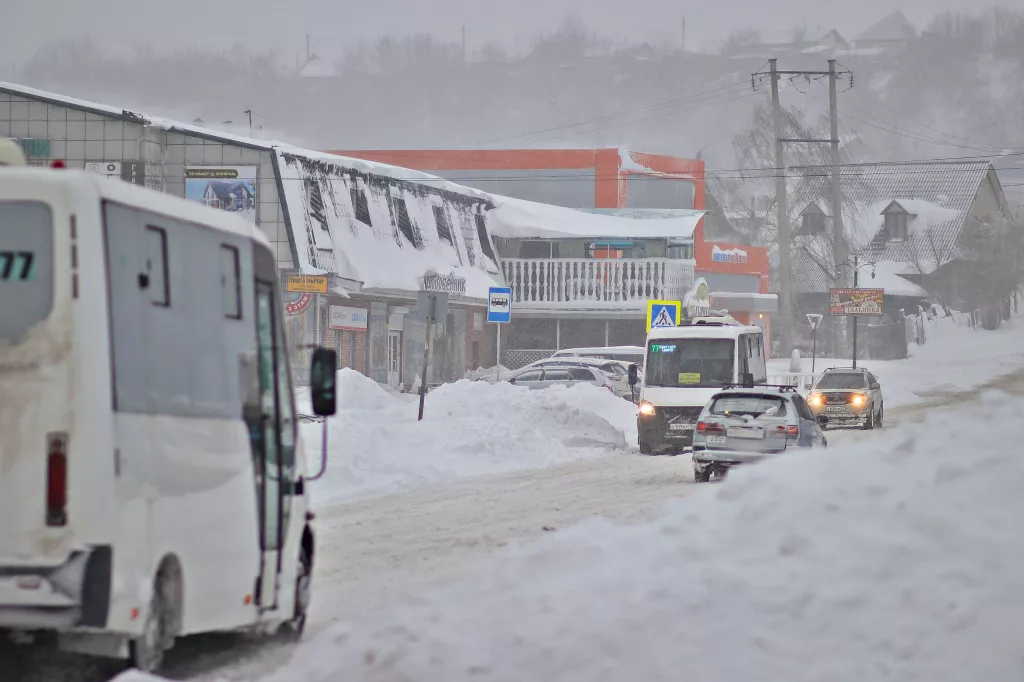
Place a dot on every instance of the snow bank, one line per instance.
(136, 676)
(895, 561)
(469, 428)
(954, 358)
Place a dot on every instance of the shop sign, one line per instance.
(307, 284)
(444, 284)
(297, 306)
(718, 255)
(868, 302)
(353, 319)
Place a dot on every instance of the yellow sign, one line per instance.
(663, 314)
(307, 284)
(689, 378)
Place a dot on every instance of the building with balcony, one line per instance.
(619, 183)
(583, 278)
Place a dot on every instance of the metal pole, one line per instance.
(426, 355)
(838, 234)
(855, 270)
(497, 369)
(782, 218)
(814, 348)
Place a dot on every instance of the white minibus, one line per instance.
(685, 366)
(152, 482)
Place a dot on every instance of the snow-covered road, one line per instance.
(385, 551)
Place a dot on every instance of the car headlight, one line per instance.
(814, 399)
(858, 400)
(646, 409)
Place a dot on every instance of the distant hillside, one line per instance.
(954, 89)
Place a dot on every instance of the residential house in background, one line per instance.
(892, 32)
(911, 228)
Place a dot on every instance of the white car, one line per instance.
(616, 371)
(563, 375)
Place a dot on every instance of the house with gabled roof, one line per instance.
(913, 225)
(891, 31)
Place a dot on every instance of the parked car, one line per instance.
(849, 397)
(744, 425)
(635, 354)
(617, 371)
(565, 375)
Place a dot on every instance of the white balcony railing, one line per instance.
(589, 283)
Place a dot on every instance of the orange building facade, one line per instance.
(606, 179)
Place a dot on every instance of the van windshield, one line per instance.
(690, 363)
(26, 267)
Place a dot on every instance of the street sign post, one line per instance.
(663, 314)
(856, 303)
(814, 319)
(499, 311)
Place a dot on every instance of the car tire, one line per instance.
(881, 416)
(146, 652)
(869, 423)
(702, 476)
(645, 449)
(293, 629)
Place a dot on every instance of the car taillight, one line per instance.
(702, 427)
(56, 479)
(792, 431)
(709, 427)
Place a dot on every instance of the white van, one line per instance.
(633, 354)
(152, 479)
(686, 366)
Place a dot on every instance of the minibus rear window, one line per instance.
(26, 267)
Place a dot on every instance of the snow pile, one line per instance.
(488, 373)
(136, 676)
(955, 358)
(898, 561)
(469, 429)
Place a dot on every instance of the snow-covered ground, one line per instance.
(955, 358)
(898, 561)
(469, 428)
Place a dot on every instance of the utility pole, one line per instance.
(838, 234)
(782, 205)
(782, 219)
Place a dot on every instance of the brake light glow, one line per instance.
(792, 431)
(646, 409)
(702, 427)
(57, 479)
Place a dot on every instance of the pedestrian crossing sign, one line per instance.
(663, 314)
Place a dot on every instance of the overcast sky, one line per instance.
(333, 24)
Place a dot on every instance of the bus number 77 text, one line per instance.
(16, 265)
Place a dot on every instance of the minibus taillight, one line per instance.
(57, 479)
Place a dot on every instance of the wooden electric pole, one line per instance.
(782, 204)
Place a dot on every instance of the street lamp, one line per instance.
(856, 265)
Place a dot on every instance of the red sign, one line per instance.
(868, 302)
(296, 307)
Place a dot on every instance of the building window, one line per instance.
(485, 242)
(444, 228)
(405, 225)
(896, 225)
(155, 278)
(230, 283)
(812, 221)
(360, 206)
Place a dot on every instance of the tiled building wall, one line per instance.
(78, 137)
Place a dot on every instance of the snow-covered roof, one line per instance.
(887, 276)
(328, 237)
(893, 27)
(520, 219)
(392, 237)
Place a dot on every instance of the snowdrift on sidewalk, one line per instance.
(895, 560)
(469, 429)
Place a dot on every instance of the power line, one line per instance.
(629, 112)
